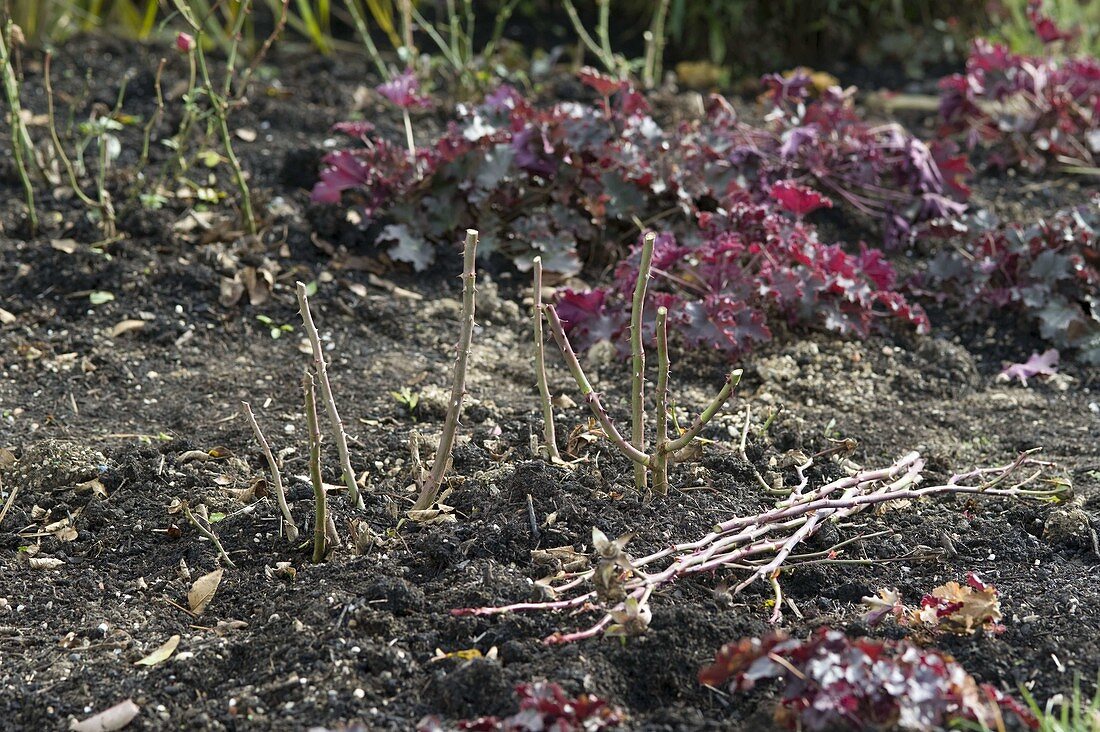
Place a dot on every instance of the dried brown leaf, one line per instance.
(202, 591)
(161, 654)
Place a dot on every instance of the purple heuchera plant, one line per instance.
(835, 682)
(751, 265)
(1047, 271)
(404, 90)
(1025, 110)
(543, 707)
(555, 180)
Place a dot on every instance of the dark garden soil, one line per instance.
(354, 639)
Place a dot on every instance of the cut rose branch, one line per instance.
(771, 536)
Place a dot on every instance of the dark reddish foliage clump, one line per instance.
(834, 682)
(543, 707)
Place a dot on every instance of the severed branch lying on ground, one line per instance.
(620, 588)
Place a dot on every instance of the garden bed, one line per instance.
(105, 417)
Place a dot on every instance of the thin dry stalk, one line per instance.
(320, 500)
(660, 462)
(321, 368)
(276, 478)
(207, 533)
(549, 433)
(8, 503)
(429, 490)
(637, 358)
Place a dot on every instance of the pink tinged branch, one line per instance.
(637, 359)
(590, 395)
(792, 522)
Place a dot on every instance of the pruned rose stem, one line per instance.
(429, 490)
(637, 359)
(320, 366)
(673, 449)
(779, 531)
(276, 478)
(660, 454)
(590, 395)
(320, 500)
(549, 433)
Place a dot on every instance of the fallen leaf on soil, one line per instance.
(68, 246)
(94, 485)
(44, 562)
(202, 592)
(126, 326)
(7, 458)
(161, 654)
(116, 717)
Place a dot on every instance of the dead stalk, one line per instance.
(429, 490)
(320, 503)
(321, 368)
(8, 503)
(660, 462)
(637, 358)
(103, 205)
(207, 533)
(775, 533)
(276, 478)
(549, 433)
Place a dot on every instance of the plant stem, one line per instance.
(20, 139)
(549, 433)
(586, 37)
(321, 367)
(700, 422)
(207, 533)
(429, 491)
(660, 454)
(320, 500)
(637, 359)
(655, 46)
(276, 478)
(409, 134)
(106, 212)
(361, 28)
(590, 395)
(153, 120)
(220, 107)
(407, 24)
